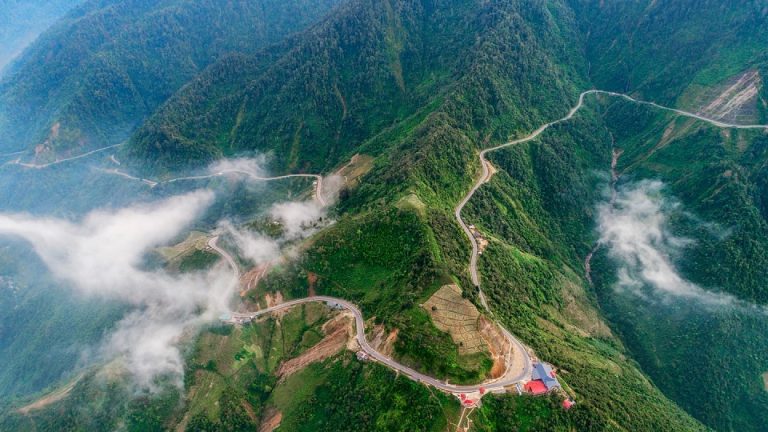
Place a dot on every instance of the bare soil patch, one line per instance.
(358, 166)
(251, 279)
(765, 380)
(249, 410)
(491, 171)
(272, 419)
(733, 101)
(273, 299)
(195, 241)
(312, 282)
(50, 398)
(382, 341)
(338, 331)
(498, 345)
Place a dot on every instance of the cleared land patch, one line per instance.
(765, 380)
(196, 241)
(457, 316)
(734, 101)
(337, 332)
(50, 398)
(358, 166)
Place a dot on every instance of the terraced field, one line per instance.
(458, 317)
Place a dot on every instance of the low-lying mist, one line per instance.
(103, 254)
(703, 349)
(636, 229)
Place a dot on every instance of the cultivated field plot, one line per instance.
(458, 316)
(195, 241)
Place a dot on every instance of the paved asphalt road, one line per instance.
(392, 364)
(491, 385)
(499, 383)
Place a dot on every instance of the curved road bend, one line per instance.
(213, 243)
(485, 176)
(508, 379)
(496, 384)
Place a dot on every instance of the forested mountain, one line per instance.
(21, 21)
(316, 103)
(668, 336)
(95, 76)
(664, 49)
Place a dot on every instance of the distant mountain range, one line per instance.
(22, 21)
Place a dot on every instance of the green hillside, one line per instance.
(420, 87)
(660, 48)
(374, 67)
(428, 152)
(99, 72)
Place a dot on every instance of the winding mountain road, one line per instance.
(318, 178)
(486, 174)
(60, 161)
(511, 376)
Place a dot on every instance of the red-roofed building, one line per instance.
(536, 387)
(568, 403)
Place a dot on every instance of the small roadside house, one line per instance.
(543, 379)
(535, 387)
(543, 372)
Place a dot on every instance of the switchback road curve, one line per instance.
(485, 174)
(509, 378)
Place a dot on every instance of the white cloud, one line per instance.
(299, 219)
(636, 231)
(251, 166)
(102, 257)
(255, 247)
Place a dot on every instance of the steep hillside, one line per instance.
(710, 321)
(519, 67)
(95, 76)
(373, 66)
(670, 342)
(666, 49)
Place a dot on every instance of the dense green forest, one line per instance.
(422, 86)
(313, 106)
(97, 74)
(718, 208)
(660, 49)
